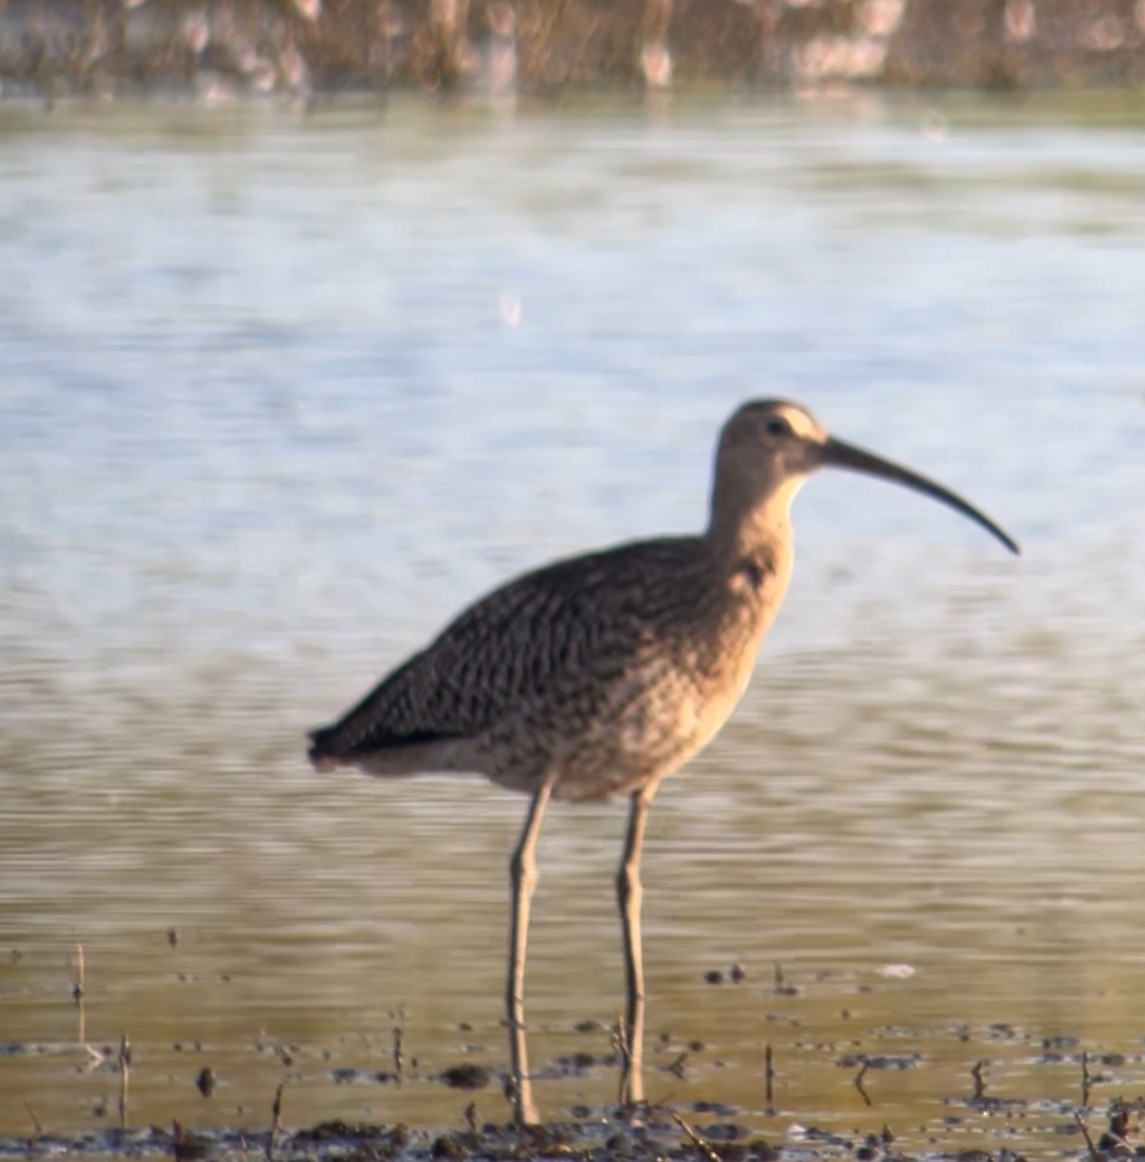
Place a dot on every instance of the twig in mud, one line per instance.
(620, 1043)
(275, 1120)
(77, 996)
(398, 1016)
(1086, 1079)
(978, 1073)
(124, 1074)
(1088, 1140)
(35, 1120)
(858, 1082)
(781, 988)
(705, 1147)
(768, 1073)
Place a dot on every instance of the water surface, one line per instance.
(280, 394)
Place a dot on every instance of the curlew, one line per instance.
(601, 674)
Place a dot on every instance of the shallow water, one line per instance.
(281, 393)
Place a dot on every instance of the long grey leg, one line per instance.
(629, 894)
(523, 876)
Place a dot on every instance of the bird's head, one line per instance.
(768, 449)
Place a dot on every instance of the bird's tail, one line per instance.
(323, 751)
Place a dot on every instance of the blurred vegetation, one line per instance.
(299, 48)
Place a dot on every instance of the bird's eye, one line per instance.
(778, 427)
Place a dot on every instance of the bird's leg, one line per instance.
(523, 877)
(628, 894)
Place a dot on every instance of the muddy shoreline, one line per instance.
(662, 1135)
(1101, 1120)
(306, 48)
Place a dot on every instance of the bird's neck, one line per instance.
(752, 524)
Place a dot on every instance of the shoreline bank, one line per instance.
(303, 48)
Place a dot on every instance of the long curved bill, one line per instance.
(841, 455)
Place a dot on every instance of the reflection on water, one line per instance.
(268, 422)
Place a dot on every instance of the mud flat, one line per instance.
(663, 1136)
(886, 1094)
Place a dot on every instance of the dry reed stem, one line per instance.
(124, 1076)
(620, 1041)
(1093, 1153)
(704, 1146)
(275, 1120)
(35, 1120)
(78, 995)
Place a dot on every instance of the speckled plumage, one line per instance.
(603, 673)
(615, 667)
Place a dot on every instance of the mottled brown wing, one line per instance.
(568, 623)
